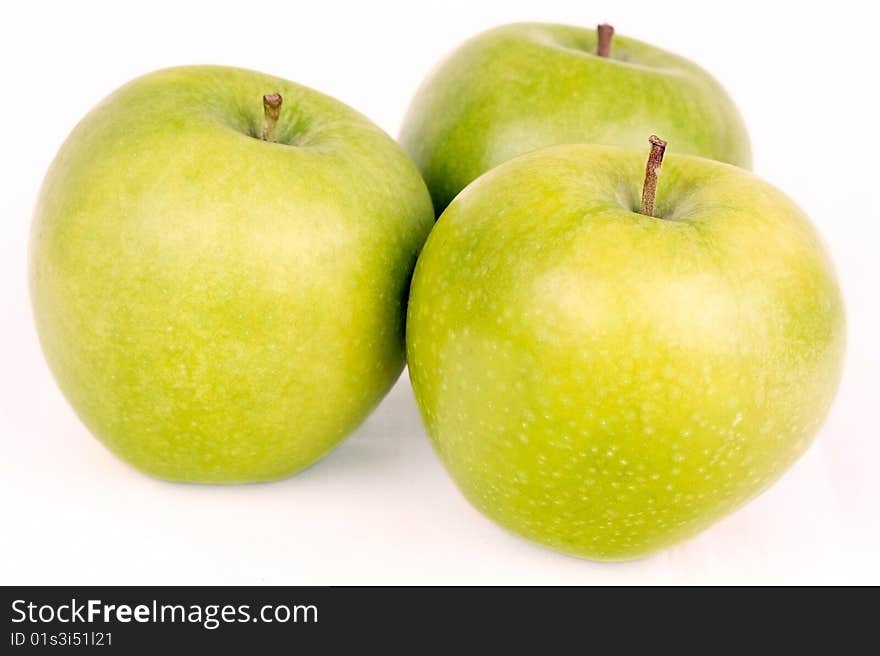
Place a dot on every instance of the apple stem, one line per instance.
(605, 33)
(271, 110)
(652, 171)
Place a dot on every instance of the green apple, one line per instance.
(607, 376)
(219, 282)
(522, 86)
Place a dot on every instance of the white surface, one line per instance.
(380, 509)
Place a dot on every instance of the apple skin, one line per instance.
(218, 308)
(526, 85)
(607, 383)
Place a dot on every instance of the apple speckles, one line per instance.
(578, 397)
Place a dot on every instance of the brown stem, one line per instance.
(605, 33)
(271, 110)
(652, 170)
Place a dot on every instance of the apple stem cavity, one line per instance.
(652, 172)
(605, 33)
(271, 110)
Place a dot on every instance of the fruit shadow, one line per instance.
(391, 438)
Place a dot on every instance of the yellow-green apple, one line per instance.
(608, 370)
(522, 86)
(219, 280)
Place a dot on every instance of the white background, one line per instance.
(380, 509)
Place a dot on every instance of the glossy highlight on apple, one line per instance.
(616, 333)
